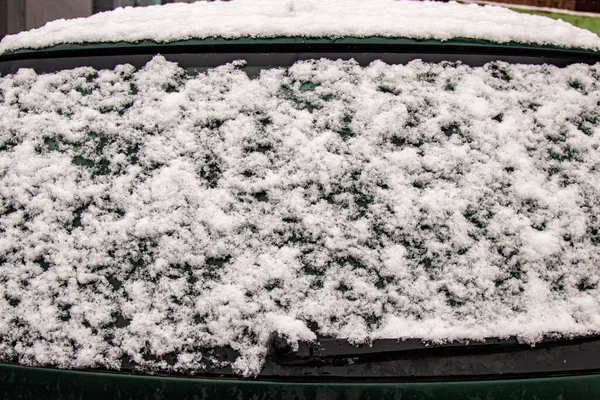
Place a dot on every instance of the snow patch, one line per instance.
(308, 18)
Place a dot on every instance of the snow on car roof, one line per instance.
(308, 18)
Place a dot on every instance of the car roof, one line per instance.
(331, 19)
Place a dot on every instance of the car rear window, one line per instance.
(165, 211)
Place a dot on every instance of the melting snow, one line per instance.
(154, 212)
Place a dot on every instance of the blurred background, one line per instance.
(20, 15)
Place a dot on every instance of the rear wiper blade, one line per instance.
(326, 349)
(416, 359)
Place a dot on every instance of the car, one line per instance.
(305, 200)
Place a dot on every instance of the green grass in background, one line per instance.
(589, 23)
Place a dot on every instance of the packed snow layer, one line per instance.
(159, 212)
(307, 18)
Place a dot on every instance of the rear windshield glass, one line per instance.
(166, 210)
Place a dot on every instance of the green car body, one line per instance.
(25, 382)
(18, 382)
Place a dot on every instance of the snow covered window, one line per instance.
(161, 212)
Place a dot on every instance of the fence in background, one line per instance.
(571, 5)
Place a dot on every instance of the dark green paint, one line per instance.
(17, 382)
(378, 40)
